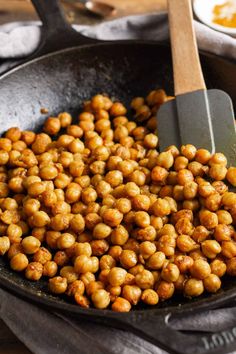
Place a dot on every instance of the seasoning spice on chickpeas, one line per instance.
(109, 220)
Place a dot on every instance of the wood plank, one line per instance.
(22, 10)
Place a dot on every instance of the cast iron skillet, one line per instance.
(61, 81)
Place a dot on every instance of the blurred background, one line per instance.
(22, 10)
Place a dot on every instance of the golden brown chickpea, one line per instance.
(89, 195)
(13, 134)
(184, 263)
(60, 222)
(91, 220)
(14, 232)
(228, 249)
(170, 273)
(203, 156)
(193, 287)
(77, 223)
(200, 234)
(52, 126)
(94, 286)
(83, 264)
(218, 267)
(112, 217)
(66, 240)
(30, 244)
(107, 262)
(213, 202)
(19, 262)
(147, 249)
(76, 287)
(4, 245)
(14, 249)
(224, 217)
(212, 283)
(121, 305)
(101, 231)
(52, 237)
(65, 119)
(99, 247)
(165, 290)
(30, 206)
(123, 205)
(189, 151)
(50, 269)
(190, 190)
(48, 172)
(231, 176)
(200, 269)
(142, 219)
(87, 278)
(68, 272)
(4, 157)
(116, 276)
(57, 285)
(156, 261)
(132, 293)
(185, 243)
(141, 202)
(161, 207)
(231, 266)
(223, 233)
(128, 259)
(36, 188)
(114, 178)
(159, 175)
(137, 102)
(211, 248)
(117, 109)
(208, 219)
(218, 172)
(39, 219)
(218, 159)
(81, 300)
(166, 244)
(34, 271)
(144, 279)
(151, 141)
(156, 222)
(115, 252)
(180, 163)
(5, 144)
(42, 255)
(150, 297)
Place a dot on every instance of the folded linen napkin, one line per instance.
(19, 39)
(32, 324)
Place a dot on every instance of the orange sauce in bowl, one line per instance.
(225, 14)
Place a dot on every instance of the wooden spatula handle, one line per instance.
(188, 75)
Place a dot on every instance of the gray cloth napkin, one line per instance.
(45, 332)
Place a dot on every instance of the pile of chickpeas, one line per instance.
(110, 221)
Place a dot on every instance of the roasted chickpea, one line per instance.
(132, 293)
(193, 287)
(212, 283)
(34, 271)
(19, 262)
(121, 305)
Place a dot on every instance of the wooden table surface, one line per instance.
(21, 10)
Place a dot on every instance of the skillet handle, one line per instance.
(56, 32)
(158, 330)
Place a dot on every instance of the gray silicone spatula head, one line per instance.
(197, 116)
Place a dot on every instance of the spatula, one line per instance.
(197, 116)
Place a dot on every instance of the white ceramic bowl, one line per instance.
(203, 9)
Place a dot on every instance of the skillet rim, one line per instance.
(213, 301)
